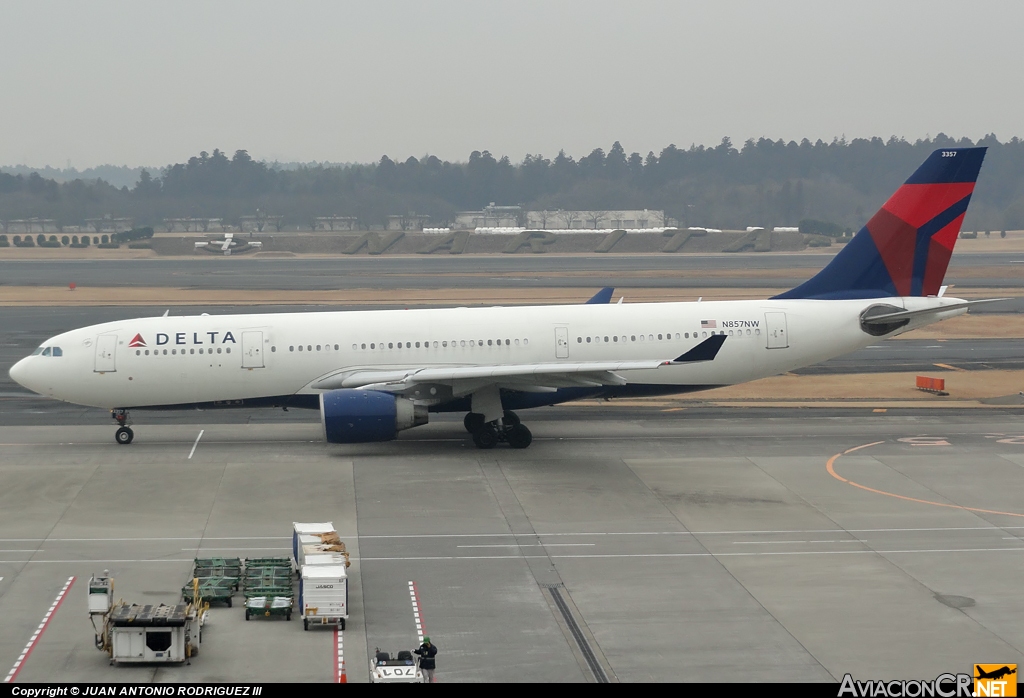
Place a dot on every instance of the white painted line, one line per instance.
(699, 533)
(782, 542)
(401, 536)
(193, 451)
(446, 558)
(107, 540)
(204, 548)
(416, 616)
(23, 657)
(529, 545)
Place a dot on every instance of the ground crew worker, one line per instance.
(427, 652)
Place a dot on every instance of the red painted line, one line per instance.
(25, 653)
(339, 656)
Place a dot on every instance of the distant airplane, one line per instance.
(372, 374)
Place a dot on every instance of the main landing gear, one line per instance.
(124, 434)
(508, 429)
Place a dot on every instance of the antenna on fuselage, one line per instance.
(166, 313)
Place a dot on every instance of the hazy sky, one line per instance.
(148, 83)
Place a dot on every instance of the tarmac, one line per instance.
(630, 542)
(633, 545)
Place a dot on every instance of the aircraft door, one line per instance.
(775, 324)
(106, 348)
(252, 349)
(561, 342)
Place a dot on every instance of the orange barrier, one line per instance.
(932, 385)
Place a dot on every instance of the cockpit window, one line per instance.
(57, 351)
(38, 351)
(46, 351)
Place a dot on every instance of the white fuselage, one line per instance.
(172, 361)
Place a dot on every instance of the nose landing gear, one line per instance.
(508, 429)
(124, 434)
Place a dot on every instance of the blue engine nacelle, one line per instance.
(359, 416)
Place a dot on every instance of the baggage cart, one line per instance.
(267, 606)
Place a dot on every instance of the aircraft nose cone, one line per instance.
(18, 372)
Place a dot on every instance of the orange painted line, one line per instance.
(830, 467)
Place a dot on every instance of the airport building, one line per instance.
(567, 220)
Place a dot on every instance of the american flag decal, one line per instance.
(708, 324)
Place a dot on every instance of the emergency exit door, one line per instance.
(561, 342)
(778, 337)
(252, 350)
(106, 348)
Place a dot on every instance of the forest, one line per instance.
(761, 182)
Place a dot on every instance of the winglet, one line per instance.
(705, 351)
(602, 297)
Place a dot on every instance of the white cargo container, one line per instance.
(307, 531)
(323, 595)
(324, 559)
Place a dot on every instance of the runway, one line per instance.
(480, 271)
(681, 545)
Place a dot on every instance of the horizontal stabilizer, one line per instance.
(602, 297)
(897, 315)
(705, 351)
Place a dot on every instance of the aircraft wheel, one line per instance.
(510, 418)
(486, 438)
(473, 422)
(519, 436)
(124, 436)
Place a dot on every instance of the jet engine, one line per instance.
(360, 416)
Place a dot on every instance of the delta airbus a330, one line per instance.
(374, 373)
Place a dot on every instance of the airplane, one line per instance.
(995, 674)
(372, 374)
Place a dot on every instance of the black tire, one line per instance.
(124, 436)
(519, 436)
(229, 602)
(288, 615)
(510, 418)
(247, 614)
(305, 623)
(342, 623)
(486, 438)
(473, 422)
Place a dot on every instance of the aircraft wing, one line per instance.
(536, 377)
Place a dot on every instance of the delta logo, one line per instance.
(137, 341)
(995, 680)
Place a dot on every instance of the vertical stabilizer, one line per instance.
(905, 248)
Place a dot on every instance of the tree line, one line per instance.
(762, 182)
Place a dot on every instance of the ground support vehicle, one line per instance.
(402, 668)
(323, 595)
